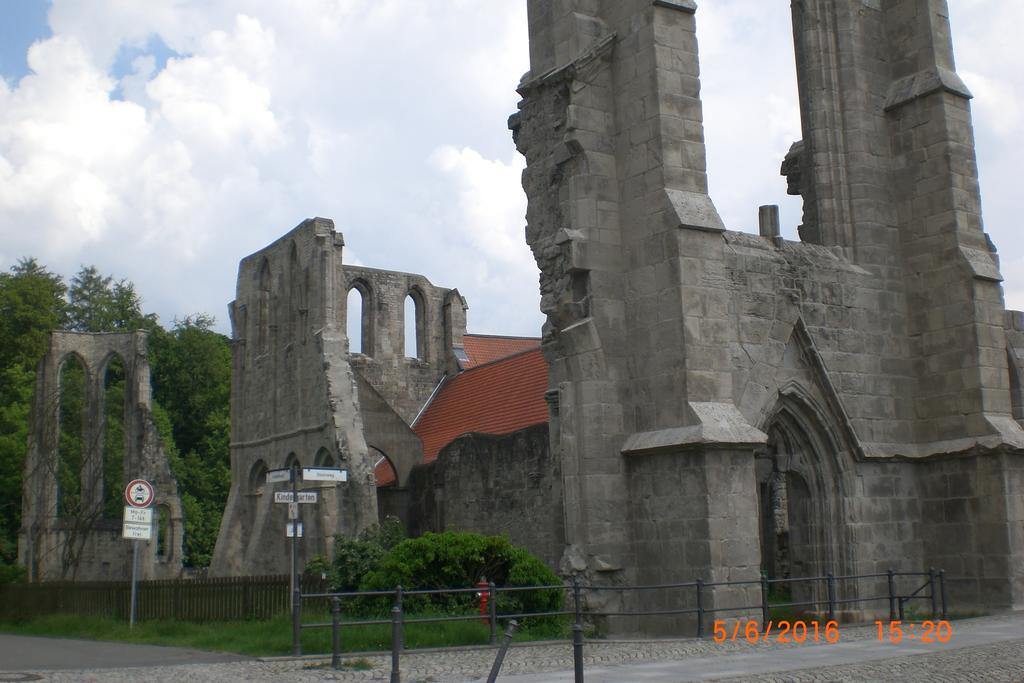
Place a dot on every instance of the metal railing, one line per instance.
(932, 590)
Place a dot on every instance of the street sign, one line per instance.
(138, 532)
(275, 476)
(324, 474)
(286, 497)
(139, 493)
(138, 515)
(293, 510)
(291, 529)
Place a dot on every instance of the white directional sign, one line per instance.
(275, 476)
(291, 529)
(293, 510)
(324, 474)
(139, 493)
(138, 532)
(138, 515)
(286, 497)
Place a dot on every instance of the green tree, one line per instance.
(31, 304)
(98, 303)
(191, 367)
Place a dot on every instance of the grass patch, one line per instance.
(265, 638)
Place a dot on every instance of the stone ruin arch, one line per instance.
(87, 545)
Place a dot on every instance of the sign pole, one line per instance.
(135, 580)
(137, 526)
(296, 599)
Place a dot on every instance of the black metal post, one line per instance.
(492, 612)
(399, 599)
(335, 632)
(577, 606)
(577, 652)
(500, 657)
(700, 608)
(764, 601)
(892, 595)
(396, 643)
(935, 595)
(942, 592)
(577, 632)
(831, 590)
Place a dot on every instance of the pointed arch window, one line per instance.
(359, 319)
(415, 325)
(71, 447)
(114, 438)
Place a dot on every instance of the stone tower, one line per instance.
(870, 367)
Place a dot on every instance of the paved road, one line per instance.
(985, 649)
(23, 653)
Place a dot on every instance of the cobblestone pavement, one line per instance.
(998, 661)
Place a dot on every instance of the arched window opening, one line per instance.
(163, 533)
(383, 471)
(71, 436)
(324, 458)
(415, 326)
(113, 437)
(257, 477)
(263, 309)
(357, 320)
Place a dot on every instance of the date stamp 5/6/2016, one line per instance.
(783, 631)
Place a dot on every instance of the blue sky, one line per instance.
(23, 22)
(165, 140)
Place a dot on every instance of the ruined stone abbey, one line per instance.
(701, 402)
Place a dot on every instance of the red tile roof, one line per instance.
(384, 473)
(484, 348)
(499, 397)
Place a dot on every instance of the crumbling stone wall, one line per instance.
(88, 546)
(508, 484)
(299, 395)
(867, 359)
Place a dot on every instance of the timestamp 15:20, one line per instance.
(924, 632)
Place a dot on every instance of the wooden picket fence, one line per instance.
(195, 600)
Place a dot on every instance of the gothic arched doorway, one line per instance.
(801, 491)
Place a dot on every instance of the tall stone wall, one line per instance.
(507, 484)
(87, 545)
(301, 396)
(863, 362)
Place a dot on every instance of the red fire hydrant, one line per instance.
(484, 593)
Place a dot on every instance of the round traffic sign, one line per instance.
(139, 493)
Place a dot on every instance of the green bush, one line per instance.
(459, 560)
(355, 558)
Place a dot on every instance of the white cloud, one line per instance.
(387, 116)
